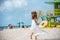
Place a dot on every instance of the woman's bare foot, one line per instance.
(35, 37)
(31, 36)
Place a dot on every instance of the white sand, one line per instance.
(22, 34)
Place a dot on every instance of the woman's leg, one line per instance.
(31, 35)
(35, 37)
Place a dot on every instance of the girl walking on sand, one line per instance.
(35, 30)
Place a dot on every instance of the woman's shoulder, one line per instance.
(33, 20)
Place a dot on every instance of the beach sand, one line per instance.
(23, 34)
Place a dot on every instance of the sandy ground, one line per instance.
(23, 34)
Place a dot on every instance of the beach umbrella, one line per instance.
(19, 24)
(22, 23)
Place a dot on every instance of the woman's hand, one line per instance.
(37, 23)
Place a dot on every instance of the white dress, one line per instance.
(34, 28)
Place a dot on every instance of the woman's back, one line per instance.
(33, 24)
(34, 27)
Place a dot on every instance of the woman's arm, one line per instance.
(36, 22)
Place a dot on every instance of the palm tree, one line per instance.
(49, 17)
(40, 15)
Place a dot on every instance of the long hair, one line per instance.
(34, 15)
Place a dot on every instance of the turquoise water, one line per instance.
(1, 28)
(14, 27)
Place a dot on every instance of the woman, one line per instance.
(35, 30)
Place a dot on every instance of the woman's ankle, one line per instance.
(30, 37)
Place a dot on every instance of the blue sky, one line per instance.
(13, 11)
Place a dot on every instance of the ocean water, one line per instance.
(1, 28)
(14, 27)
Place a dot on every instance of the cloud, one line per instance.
(8, 4)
